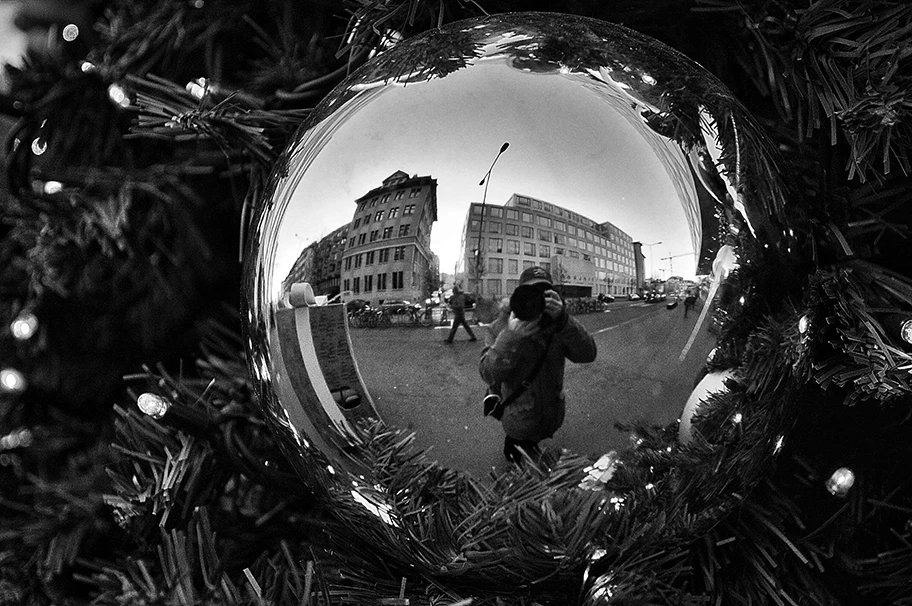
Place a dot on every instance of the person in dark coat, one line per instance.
(518, 345)
(457, 304)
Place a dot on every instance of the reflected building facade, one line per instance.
(388, 250)
(585, 258)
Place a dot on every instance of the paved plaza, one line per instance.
(420, 383)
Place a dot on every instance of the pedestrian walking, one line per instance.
(458, 304)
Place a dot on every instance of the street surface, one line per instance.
(420, 383)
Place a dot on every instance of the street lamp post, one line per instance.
(651, 268)
(479, 260)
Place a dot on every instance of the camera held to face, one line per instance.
(527, 302)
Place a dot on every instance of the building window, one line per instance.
(527, 217)
(544, 251)
(367, 218)
(495, 227)
(393, 213)
(397, 280)
(511, 229)
(351, 242)
(358, 259)
(474, 225)
(528, 232)
(560, 225)
(495, 266)
(493, 287)
(373, 202)
(546, 221)
(399, 194)
(404, 229)
(495, 245)
(374, 235)
(512, 214)
(476, 209)
(408, 209)
(527, 264)
(387, 233)
(558, 250)
(544, 235)
(496, 211)
(356, 285)
(523, 201)
(384, 255)
(560, 239)
(348, 264)
(362, 238)
(574, 254)
(399, 254)
(368, 283)
(357, 223)
(378, 216)
(512, 247)
(346, 284)
(384, 199)
(529, 249)
(414, 193)
(369, 258)
(381, 281)
(512, 268)
(511, 285)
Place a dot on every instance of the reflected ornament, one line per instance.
(625, 171)
(712, 383)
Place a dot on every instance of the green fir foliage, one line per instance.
(136, 154)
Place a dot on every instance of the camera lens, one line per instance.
(527, 302)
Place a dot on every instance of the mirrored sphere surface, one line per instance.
(434, 176)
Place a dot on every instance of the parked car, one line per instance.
(399, 306)
(633, 297)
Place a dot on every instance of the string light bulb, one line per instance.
(118, 95)
(70, 32)
(841, 482)
(24, 326)
(153, 405)
(803, 324)
(12, 382)
(39, 146)
(905, 331)
(198, 88)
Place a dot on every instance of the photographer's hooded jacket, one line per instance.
(539, 411)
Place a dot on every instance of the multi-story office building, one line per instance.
(388, 252)
(585, 258)
(320, 264)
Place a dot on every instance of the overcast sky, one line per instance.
(568, 145)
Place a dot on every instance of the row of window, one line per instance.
(408, 209)
(545, 235)
(404, 230)
(495, 286)
(554, 209)
(496, 266)
(511, 214)
(528, 249)
(413, 193)
(367, 282)
(368, 258)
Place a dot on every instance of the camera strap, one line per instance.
(528, 382)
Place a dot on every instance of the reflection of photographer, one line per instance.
(525, 363)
